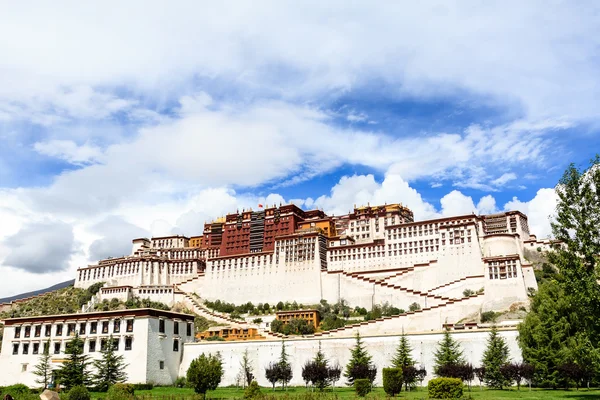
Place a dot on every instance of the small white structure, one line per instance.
(150, 340)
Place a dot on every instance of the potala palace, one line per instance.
(373, 255)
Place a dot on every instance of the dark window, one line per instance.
(105, 327)
(37, 330)
(175, 345)
(27, 331)
(189, 329)
(18, 332)
(56, 348)
(129, 325)
(94, 327)
(161, 364)
(46, 348)
(128, 342)
(117, 326)
(36, 348)
(103, 345)
(175, 327)
(47, 330)
(161, 325)
(70, 329)
(92, 346)
(82, 328)
(16, 348)
(59, 330)
(25, 348)
(116, 344)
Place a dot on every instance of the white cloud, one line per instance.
(504, 179)
(69, 151)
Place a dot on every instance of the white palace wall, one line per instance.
(382, 348)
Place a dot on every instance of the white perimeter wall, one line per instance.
(382, 348)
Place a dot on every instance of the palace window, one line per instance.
(128, 343)
(36, 348)
(129, 327)
(37, 331)
(82, 328)
(70, 329)
(27, 331)
(47, 330)
(57, 348)
(104, 326)
(59, 330)
(92, 346)
(25, 348)
(117, 326)
(175, 345)
(15, 348)
(161, 326)
(17, 332)
(94, 327)
(46, 347)
(176, 327)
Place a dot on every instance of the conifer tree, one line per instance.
(110, 369)
(447, 353)
(495, 356)
(285, 369)
(74, 371)
(360, 365)
(44, 368)
(403, 359)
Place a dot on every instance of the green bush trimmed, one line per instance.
(252, 391)
(16, 390)
(392, 381)
(120, 391)
(143, 386)
(362, 387)
(78, 393)
(445, 388)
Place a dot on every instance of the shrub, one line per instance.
(445, 388)
(16, 390)
(143, 386)
(180, 382)
(488, 316)
(392, 380)
(257, 321)
(79, 393)
(468, 293)
(362, 387)
(414, 307)
(252, 391)
(120, 391)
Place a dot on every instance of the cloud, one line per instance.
(116, 236)
(504, 179)
(69, 151)
(41, 247)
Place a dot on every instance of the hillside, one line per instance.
(61, 285)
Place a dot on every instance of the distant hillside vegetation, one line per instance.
(61, 285)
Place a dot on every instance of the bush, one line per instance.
(120, 391)
(252, 391)
(79, 393)
(392, 381)
(180, 382)
(143, 386)
(488, 316)
(362, 387)
(445, 388)
(16, 390)
(468, 293)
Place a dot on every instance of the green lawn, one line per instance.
(300, 393)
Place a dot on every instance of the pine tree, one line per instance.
(447, 353)
(404, 360)
(403, 356)
(564, 311)
(246, 372)
(44, 368)
(285, 369)
(360, 365)
(74, 371)
(110, 369)
(494, 357)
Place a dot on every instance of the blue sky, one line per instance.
(113, 127)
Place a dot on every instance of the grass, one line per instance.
(301, 393)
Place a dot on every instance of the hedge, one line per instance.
(392, 381)
(445, 388)
(362, 387)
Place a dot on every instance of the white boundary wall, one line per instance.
(382, 348)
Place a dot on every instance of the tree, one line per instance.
(447, 353)
(564, 311)
(285, 369)
(44, 367)
(246, 372)
(74, 371)
(392, 380)
(205, 373)
(414, 306)
(110, 368)
(480, 374)
(495, 356)
(272, 373)
(360, 365)
(317, 371)
(335, 371)
(403, 359)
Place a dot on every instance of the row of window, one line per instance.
(37, 329)
(57, 346)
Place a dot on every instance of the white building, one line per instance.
(150, 340)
